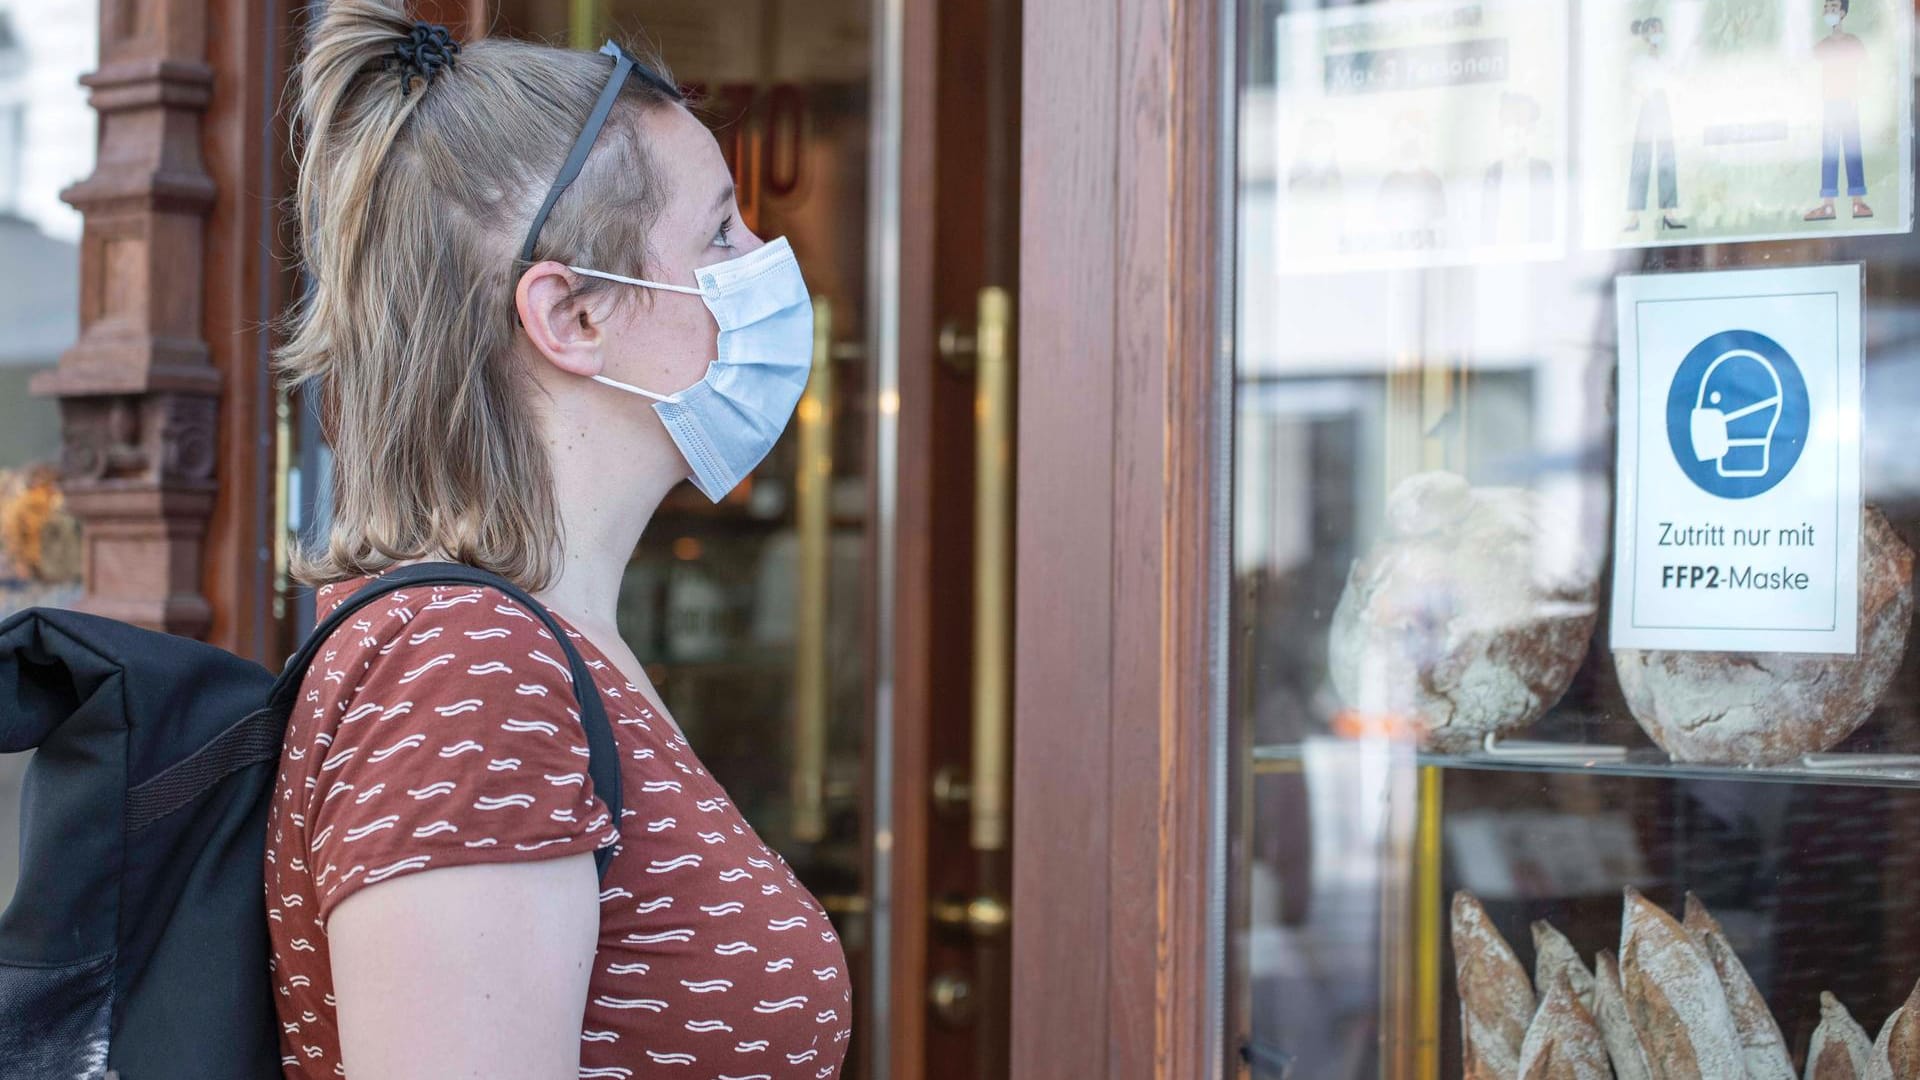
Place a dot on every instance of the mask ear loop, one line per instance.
(642, 282)
(670, 399)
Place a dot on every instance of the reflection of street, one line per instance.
(1316, 966)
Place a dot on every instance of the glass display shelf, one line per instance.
(1858, 769)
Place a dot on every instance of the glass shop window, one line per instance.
(1576, 495)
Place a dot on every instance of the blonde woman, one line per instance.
(508, 242)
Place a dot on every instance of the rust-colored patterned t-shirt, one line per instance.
(436, 728)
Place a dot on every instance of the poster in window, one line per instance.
(1710, 121)
(1420, 134)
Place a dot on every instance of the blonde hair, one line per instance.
(412, 208)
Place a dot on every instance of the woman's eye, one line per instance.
(720, 236)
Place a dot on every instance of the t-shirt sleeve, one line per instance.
(453, 738)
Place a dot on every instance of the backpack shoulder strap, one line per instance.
(604, 763)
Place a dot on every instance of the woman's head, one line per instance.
(443, 362)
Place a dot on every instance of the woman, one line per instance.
(504, 239)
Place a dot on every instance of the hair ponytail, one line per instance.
(412, 195)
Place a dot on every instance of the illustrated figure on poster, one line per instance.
(1517, 195)
(1413, 198)
(1652, 129)
(1315, 190)
(1841, 55)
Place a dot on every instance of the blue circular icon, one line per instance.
(1737, 414)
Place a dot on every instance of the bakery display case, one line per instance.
(1574, 717)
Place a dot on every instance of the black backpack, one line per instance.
(136, 945)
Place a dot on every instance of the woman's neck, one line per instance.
(604, 507)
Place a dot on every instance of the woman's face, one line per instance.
(660, 340)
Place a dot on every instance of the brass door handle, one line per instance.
(993, 568)
(813, 523)
(983, 918)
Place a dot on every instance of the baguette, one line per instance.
(1840, 1049)
(1554, 958)
(1563, 1042)
(1674, 998)
(1616, 1028)
(1896, 1053)
(1496, 999)
(1764, 1048)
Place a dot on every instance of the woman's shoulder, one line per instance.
(441, 729)
(459, 641)
(447, 614)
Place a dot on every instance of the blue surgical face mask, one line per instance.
(726, 423)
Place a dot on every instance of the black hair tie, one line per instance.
(423, 53)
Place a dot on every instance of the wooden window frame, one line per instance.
(1116, 871)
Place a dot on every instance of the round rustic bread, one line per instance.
(1457, 618)
(1770, 708)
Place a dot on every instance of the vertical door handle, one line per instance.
(993, 568)
(813, 519)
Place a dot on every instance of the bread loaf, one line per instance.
(1761, 1044)
(1554, 958)
(1896, 1053)
(1616, 1028)
(1563, 1042)
(1840, 1049)
(1674, 998)
(1458, 619)
(1770, 708)
(1496, 1000)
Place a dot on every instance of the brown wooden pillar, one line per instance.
(138, 393)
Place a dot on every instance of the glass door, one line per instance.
(751, 615)
(1577, 714)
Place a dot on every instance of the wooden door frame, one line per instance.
(250, 278)
(1115, 757)
(910, 215)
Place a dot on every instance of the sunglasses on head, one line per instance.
(624, 64)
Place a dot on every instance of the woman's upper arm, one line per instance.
(476, 971)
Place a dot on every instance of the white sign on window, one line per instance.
(1737, 524)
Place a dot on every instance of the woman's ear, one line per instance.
(564, 329)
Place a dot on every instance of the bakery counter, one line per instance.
(1861, 769)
